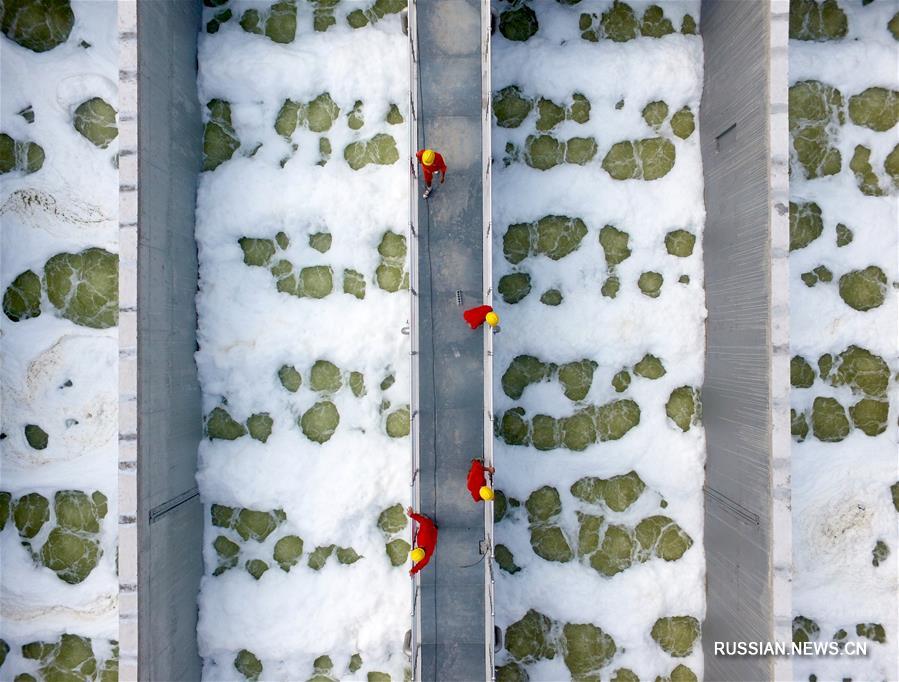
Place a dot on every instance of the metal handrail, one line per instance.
(487, 275)
(415, 491)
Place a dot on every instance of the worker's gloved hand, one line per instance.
(442, 178)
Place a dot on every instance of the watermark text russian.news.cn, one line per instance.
(791, 648)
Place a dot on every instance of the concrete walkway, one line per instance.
(451, 355)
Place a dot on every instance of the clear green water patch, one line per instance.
(394, 116)
(680, 243)
(586, 426)
(646, 159)
(620, 23)
(545, 151)
(95, 119)
(83, 287)
(218, 19)
(866, 374)
(554, 236)
(650, 283)
(249, 524)
(684, 407)
(815, 114)
(676, 635)
(865, 177)
(391, 274)
(861, 370)
(36, 437)
(518, 23)
(220, 140)
(806, 630)
(71, 658)
(682, 123)
(248, 665)
(863, 289)
(22, 299)
(316, 115)
(552, 297)
(506, 560)
(880, 553)
(379, 150)
(359, 18)
(323, 669)
(875, 108)
(245, 530)
(392, 522)
(318, 422)
(37, 25)
(817, 20)
(617, 493)
(655, 113)
(20, 155)
(514, 287)
(511, 107)
(607, 547)
(806, 224)
(550, 114)
(575, 377)
(220, 425)
(399, 422)
(68, 541)
(615, 245)
(584, 648)
(278, 22)
(314, 281)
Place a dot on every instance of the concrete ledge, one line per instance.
(127, 481)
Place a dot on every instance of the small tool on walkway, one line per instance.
(458, 297)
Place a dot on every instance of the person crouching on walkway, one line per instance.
(478, 316)
(425, 541)
(477, 481)
(431, 162)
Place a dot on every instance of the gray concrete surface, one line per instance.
(737, 414)
(451, 354)
(170, 516)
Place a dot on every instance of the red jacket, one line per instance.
(439, 165)
(476, 479)
(476, 316)
(426, 539)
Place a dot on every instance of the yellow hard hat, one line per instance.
(486, 493)
(428, 157)
(417, 555)
(492, 319)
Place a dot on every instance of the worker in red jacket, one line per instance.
(477, 481)
(425, 541)
(431, 162)
(478, 316)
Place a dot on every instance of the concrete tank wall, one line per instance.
(747, 380)
(169, 412)
(746, 365)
